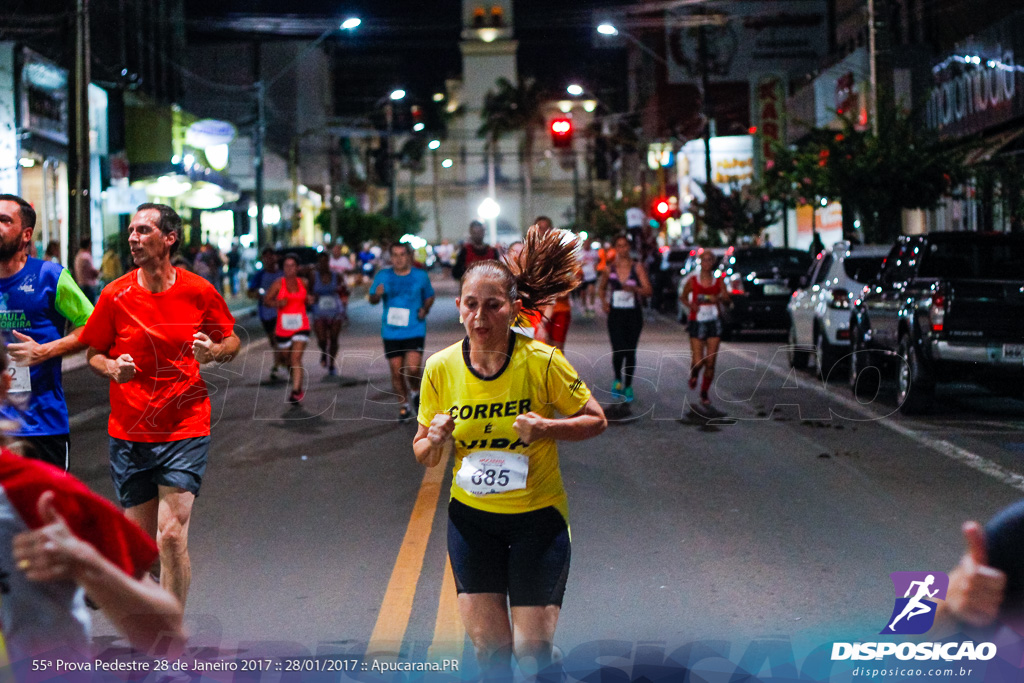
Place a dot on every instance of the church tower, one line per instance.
(488, 53)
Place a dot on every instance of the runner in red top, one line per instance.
(151, 330)
(59, 540)
(557, 316)
(290, 296)
(704, 294)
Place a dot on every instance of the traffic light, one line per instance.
(561, 133)
(661, 209)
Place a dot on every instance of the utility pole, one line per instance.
(389, 117)
(879, 58)
(491, 187)
(79, 220)
(258, 143)
(575, 191)
(435, 170)
(873, 67)
(705, 97)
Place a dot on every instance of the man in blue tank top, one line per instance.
(38, 301)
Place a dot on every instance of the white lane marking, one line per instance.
(941, 446)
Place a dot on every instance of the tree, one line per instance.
(743, 212)
(905, 166)
(355, 226)
(605, 217)
(511, 109)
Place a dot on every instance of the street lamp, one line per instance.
(261, 86)
(489, 210)
(575, 90)
(608, 29)
(433, 146)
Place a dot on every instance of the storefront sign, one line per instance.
(827, 221)
(44, 98)
(209, 133)
(732, 160)
(745, 37)
(770, 104)
(980, 85)
(841, 91)
(846, 93)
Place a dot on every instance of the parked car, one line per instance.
(761, 281)
(945, 306)
(819, 312)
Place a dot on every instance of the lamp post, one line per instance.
(489, 210)
(260, 88)
(433, 146)
(608, 29)
(389, 118)
(79, 220)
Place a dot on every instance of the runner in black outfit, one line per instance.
(623, 284)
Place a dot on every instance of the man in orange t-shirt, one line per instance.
(151, 330)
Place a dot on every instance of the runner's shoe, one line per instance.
(617, 389)
(296, 397)
(404, 415)
(705, 399)
(693, 381)
(628, 394)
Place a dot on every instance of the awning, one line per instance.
(991, 146)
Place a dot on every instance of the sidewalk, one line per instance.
(240, 306)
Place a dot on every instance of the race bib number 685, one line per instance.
(486, 472)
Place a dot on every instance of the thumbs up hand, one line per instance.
(975, 589)
(50, 552)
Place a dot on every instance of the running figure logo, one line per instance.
(914, 613)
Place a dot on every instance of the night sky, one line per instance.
(414, 43)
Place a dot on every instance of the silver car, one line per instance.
(819, 312)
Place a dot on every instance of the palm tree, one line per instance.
(510, 109)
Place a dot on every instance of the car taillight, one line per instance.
(736, 285)
(840, 299)
(937, 311)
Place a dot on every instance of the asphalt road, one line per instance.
(317, 532)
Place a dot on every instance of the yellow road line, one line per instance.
(395, 610)
(449, 633)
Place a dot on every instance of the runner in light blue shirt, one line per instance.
(408, 296)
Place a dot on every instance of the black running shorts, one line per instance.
(525, 555)
(396, 348)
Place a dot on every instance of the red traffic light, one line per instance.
(661, 208)
(561, 132)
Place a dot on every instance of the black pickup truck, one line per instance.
(945, 307)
